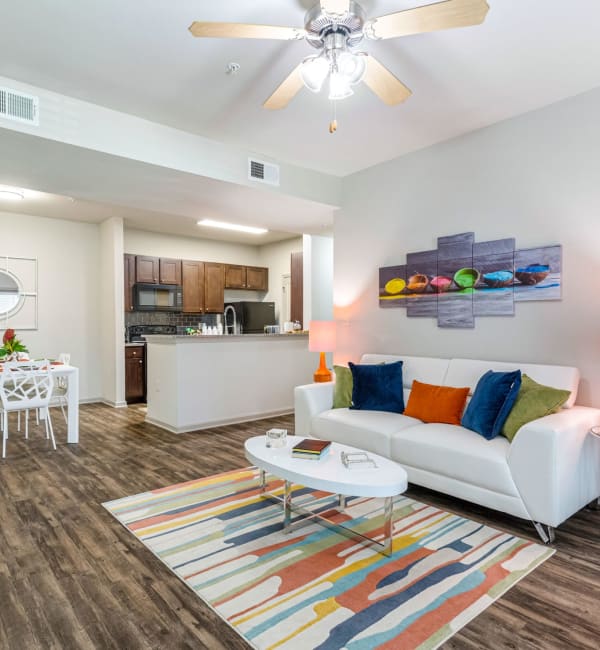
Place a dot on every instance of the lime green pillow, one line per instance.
(342, 390)
(533, 401)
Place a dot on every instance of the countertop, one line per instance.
(221, 338)
(135, 344)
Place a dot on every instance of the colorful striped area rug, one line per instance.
(314, 588)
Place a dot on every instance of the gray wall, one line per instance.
(535, 177)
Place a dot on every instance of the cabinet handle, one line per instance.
(141, 361)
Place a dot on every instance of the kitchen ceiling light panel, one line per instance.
(232, 226)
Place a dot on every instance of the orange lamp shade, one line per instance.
(321, 338)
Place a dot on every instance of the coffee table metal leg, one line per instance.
(388, 525)
(287, 506)
(263, 480)
(342, 501)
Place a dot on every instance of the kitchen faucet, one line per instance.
(227, 326)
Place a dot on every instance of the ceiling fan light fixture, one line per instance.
(352, 66)
(314, 71)
(339, 86)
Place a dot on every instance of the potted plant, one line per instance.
(12, 348)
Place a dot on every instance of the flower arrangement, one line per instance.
(11, 346)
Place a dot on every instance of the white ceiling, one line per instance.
(138, 57)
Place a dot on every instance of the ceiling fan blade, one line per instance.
(241, 30)
(335, 6)
(384, 84)
(287, 90)
(429, 18)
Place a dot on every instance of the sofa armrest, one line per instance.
(310, 400)
(555, 464)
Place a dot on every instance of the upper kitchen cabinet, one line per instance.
(257, 278)
(214, 287)
(254, 278)
(155, 270)
(129, 277)
(235, 276)
(146, 269)
(169, 271)
(192, 283)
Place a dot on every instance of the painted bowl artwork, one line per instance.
(395, 286)
(417, 283)
(466, 278)
(532, 274)
(441, 284)
(498, 279)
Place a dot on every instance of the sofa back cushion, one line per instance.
(467, 372)
(424, 369)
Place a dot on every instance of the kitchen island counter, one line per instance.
(199, 382)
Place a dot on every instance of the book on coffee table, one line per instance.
(311, 449)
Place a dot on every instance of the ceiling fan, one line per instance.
(335, 28)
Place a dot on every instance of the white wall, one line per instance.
(141, 242)
(69, 273)
(112, 306)
(277, 257)
(535, 177)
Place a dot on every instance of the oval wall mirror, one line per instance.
(11, 298)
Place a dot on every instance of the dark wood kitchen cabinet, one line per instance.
(192, 284)
(169, 271)
(157, 270)
(147, 269)
(235, 276)
(257, 278)
(129, 278)
(214, 287)
(135, 373)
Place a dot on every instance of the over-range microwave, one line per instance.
(157, 297)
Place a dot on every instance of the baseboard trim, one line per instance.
(201, 426)
(116, 405)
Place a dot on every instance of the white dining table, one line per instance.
(71, 374)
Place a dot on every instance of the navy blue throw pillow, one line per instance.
(377, 387)
(491, 403)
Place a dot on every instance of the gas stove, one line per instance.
(136, 333)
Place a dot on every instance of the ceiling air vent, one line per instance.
(263, 172)
(18, 106)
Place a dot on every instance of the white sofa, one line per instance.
(550, 470)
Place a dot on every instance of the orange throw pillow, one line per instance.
(436, 403)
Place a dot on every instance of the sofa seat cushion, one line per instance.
(367, 430)
(453, 451)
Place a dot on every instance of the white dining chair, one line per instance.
(23, 386)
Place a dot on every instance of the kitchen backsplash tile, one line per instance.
(168, 318)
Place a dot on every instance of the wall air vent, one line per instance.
(263, 172)
(18, 106)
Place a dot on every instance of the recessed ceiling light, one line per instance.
(12, 195)
(232, 226)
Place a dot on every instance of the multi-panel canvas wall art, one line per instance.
(463, 279)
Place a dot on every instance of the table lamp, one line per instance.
(321, 338)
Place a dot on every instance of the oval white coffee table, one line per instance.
(387, 480)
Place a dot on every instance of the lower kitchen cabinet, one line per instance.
(135, 373)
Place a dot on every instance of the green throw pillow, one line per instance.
(533, 401)
(342, 390)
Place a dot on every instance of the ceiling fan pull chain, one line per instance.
(333, 124)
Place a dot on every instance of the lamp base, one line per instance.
(322, 374)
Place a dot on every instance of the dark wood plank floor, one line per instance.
(72, 577)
